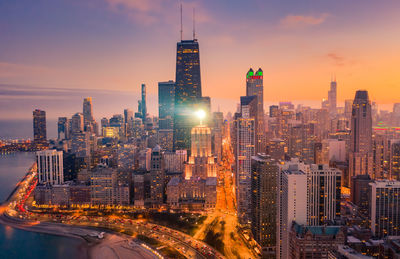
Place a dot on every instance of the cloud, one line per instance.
(299, 21)
(140, 11)
(148, 12)
(8, 70)
(336, 59)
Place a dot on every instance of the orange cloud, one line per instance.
(296, 21)
(336, 59)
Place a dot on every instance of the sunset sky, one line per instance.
(107, 48)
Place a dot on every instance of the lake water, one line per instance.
(15, 243)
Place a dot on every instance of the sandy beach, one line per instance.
(110, 246)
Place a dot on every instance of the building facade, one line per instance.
(324, 194)
(385, 208)
(360, 156)
(187, 91)
(264, 195)
(50, 167)
(255, 87)
(244, 148)
(39, 127)
(292, 204)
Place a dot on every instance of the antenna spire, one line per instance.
(194, 24)
(181, 24)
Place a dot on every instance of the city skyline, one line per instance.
(295, 40)
(284, 143)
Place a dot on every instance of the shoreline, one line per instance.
(93, 244)
(85, 247)
(113, 245)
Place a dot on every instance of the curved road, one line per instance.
(185, 244)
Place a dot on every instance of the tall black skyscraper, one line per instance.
(39, 127)
(187, 91)
(166, 103)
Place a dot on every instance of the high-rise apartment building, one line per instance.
(187, 91)
(255, 87)
(360, 156)
(292, 203)
(216, 135)
(309, 194)
(80, 144)
(385, 208)
(359, 192)
(324, 194)
(157, 174)
(395, 160)
(244, 149)
(39, 127)
(301, 142)
(175, 161)
(50, 167)
(264, 194)
(101, 183)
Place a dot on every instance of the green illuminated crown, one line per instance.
(250, 73)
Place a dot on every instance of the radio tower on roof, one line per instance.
(194, 25)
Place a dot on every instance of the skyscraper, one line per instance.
(385, 208)
(50, 166)
(157, 174)
(166, 101)
(77, 123)
(39, 127)
(332, 98)
(292, 203)
(143, 110)
(63, 128)
(255, 87)
(187, 91)
(395, 160)
(128, 122)
(89, 122)
(359, 192)
(324, 190)
(87, 110)
(245, 148)
(216, 132)
(201, 163)
(264, 189)
(360, 156)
